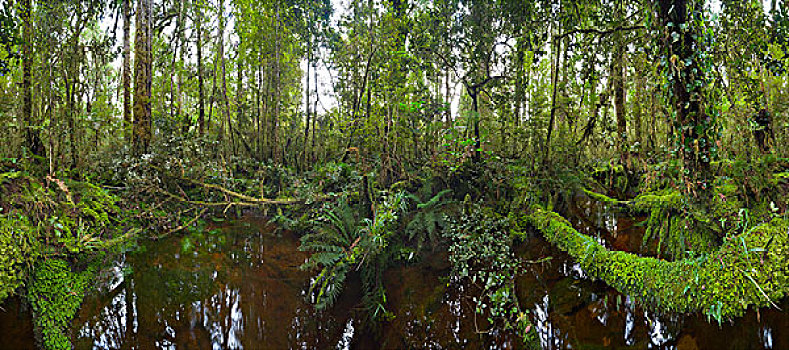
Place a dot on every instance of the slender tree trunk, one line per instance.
(179, 74)
(448, 101)
(200, 74)
(31, 134)
(687, 95)
(555, 88)
(71, 86)
(278, 87)
(314, 110)
(307, 103)
(221, 54)
(259, 114)
(239, 93)
(127, 100)
(143, 62)
(618, 75)
(474, 94)
(268, 102)
(638, 112)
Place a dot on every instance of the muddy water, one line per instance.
(240, 287)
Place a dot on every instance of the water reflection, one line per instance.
(241, 288)
(231, 289)
(571, 311)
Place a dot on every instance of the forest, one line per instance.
(541, 172)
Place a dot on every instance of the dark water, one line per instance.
(572, 312)
(240, 287)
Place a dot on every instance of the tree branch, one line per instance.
(601, 32)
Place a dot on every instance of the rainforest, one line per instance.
(394, 174)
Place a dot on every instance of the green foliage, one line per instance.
(336, 231)
(429, 218)
(19, 248)
(336, 177)
(342, 243)
(749, 269)
(55, 293)
(481, 253)
(455, 151)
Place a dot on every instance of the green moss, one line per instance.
(18, 250)
(603, 198)
(725, 202)
(55, 293)
(663, 199)
(750, 269)
(678, 230)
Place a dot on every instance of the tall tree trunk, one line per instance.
(259, 114)
(179, 75)
(71, 86)
(31, 134)
(307, 101)
(474, 94)
(278, 88)
(638, 112)
(143, 64)
(618, 75)
(221, 54)
(686, 93)
(200, 75)
(127, 100)
(314, 110)
(448, 101)
(555, 88)
(239, 93)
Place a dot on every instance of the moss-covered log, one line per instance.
(751, 269)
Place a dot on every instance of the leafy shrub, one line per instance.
(480, 253)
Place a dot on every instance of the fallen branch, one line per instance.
(181, 227)
(249, 199)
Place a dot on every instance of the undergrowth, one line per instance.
(55, 293)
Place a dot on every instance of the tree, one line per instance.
(127, 101)
(143, 62)
(198, 19)
(619, 74)
(31, 135)
(683, 65)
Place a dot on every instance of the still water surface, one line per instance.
(240, 287)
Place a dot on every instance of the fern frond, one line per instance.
(434, 201)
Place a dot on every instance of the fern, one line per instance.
(429, 219)
(342, 243)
